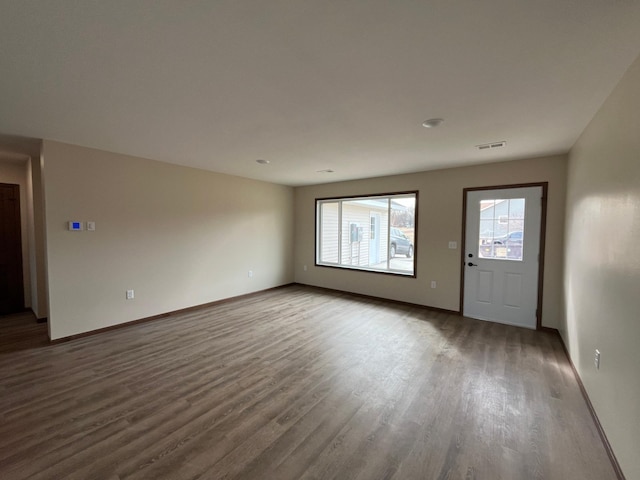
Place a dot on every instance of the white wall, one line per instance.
(178, 236)
(602, 279)
(15, 172)
(439, 221)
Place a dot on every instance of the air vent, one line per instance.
(488, 146)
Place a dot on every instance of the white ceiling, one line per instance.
(312, 85)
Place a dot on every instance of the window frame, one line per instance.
(340, 199)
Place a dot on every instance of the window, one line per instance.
(501, 229)
(375, 233)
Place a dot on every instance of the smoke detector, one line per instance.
(433, 122)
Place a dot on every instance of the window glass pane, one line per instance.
(402, 233)
(501, 229)
(329, 232)
(373, 233)
(357, 246)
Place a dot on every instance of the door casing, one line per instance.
(15, 295)
(543, 230)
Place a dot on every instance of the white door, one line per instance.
(502, 247)
(374, 238)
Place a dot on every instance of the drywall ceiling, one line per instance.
(312, 85)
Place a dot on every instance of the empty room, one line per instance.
(319, 240)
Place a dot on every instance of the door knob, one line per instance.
(471, 264)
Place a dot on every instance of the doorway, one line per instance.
(503, 254)
(11, 286)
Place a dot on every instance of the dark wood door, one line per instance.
(11, 288)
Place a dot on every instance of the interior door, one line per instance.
(11, 288)
(502, 247)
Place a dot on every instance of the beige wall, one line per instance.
(439, 221)
(15, 172)
(178, 236)
(602, 279)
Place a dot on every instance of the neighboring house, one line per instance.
(365, 232)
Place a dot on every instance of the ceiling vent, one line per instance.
(488, 146)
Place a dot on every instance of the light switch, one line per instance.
(91, 226)
(453, 245)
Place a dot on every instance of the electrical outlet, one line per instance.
(597, 359)
(433, 284)
(130, 295)
(250, 274)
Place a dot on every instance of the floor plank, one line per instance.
(294, 383)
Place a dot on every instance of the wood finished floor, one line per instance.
(294, 383)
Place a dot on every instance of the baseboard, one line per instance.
(38, 320)
(596, 420)
(162, 315)
(553, 331)
(390, 300)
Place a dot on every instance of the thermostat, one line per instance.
(75, 226)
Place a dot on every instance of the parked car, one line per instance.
(399, 243)
(513, 238)
(510, 244)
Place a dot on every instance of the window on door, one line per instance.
(375, 233)
(501, 229)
